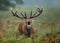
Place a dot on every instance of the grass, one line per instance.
(42, 24)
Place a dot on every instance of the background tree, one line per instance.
(5, 4)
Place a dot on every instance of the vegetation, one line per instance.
(47, 22)
(5, 4)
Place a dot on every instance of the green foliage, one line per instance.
(5, 4)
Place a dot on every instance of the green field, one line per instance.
(47, 22)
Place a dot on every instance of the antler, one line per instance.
(39, 12)
(25, 15)
(15, 14)
(30, 13)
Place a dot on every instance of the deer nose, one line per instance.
(28, 23)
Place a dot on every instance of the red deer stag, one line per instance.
(25, 27)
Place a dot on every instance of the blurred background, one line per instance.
(47, 22)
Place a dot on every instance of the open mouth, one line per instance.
(28, 23)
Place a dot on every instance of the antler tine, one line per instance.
(22, 15)
(15, 14)
(35, 13)
(31, 14)
(25, 15)
(39, 12)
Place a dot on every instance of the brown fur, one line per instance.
(22, 29)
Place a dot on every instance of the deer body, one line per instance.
(26, 30)
(21, 28)
(25, 27)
